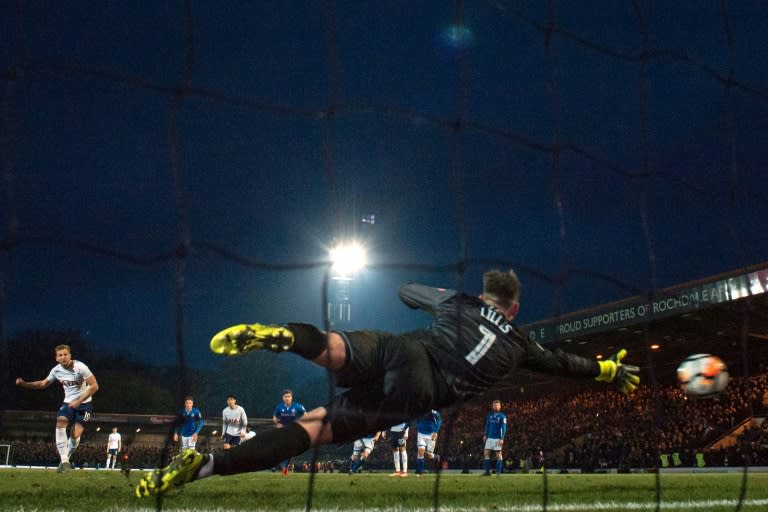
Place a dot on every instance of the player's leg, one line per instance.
(395, 438)
(264, 451)
(396, 461)
(430, 452)
(347, 418)
(74, 438)
(364, 457)
(275, 445)
(60, 436)
(499, 462)
(403, 461)
(284, 466)
(487, 461)
(421, 449)
(325, 349)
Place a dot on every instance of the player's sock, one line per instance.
(404, 461)
(419, 465)
(436, 460)
(356, 465)
(106, 464)
(309, 342)
(206, 469)
(397, 461)
(487, 465)
(499, 466)
(61, 443)
(72, 445)
(265, 451)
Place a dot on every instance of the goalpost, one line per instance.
(7, 453)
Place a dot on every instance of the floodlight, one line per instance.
(347, 259)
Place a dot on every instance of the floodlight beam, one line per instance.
(347, 260)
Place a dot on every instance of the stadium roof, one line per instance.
(726, 315)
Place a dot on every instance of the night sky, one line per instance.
(601, 150)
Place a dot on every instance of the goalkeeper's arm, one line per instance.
(624, 375)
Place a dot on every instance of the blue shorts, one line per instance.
(231, 440)
(81, 414)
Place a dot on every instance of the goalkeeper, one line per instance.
(471, 346)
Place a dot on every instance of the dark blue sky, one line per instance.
(267, 129)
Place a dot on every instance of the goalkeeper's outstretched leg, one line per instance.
(325, 349)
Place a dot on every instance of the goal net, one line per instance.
(169, 171)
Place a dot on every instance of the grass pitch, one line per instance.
(45, 490)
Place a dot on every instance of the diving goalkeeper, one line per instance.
(471, 346)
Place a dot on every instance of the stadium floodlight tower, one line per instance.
(347, 260)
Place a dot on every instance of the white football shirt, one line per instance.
(234, 421)
(113, 443)
(72, 380)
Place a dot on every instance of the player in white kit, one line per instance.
(361, 449)
(234, 423)
(114, 446)
(79, 385)
(398, 439)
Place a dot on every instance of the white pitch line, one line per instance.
(614, 505)
(531, 507)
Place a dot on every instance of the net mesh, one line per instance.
(172, 170)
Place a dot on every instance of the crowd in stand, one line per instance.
(589, 430)
(601, 429)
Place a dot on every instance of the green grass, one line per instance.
(46, 490)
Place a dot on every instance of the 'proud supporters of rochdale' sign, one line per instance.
(635, 310)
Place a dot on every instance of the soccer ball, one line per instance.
(702, 375)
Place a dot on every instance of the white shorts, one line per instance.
(362, 444)
(425, 441)
(188, 442)
(493, 444)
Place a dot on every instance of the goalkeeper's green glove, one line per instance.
(625, 375)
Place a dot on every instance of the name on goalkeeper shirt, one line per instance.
(496, 318)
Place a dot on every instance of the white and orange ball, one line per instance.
(702, 375)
